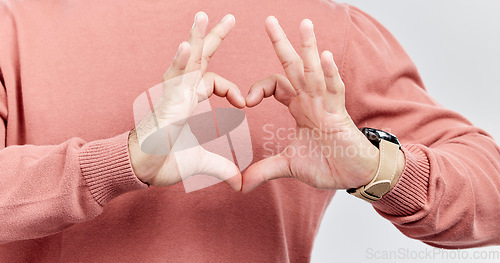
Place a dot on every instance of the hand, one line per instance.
(328, 151)
(184, 85)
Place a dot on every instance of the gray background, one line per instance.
(456, 46)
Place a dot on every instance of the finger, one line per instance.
(270, 168)
(178, 66)
(290, 60)
(275, 85)
(172, 79)
(335, 95)
(312, 67)
(223, 88)
(220, 167)
(215, 37)
(197, 39)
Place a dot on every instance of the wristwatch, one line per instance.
(384, 179)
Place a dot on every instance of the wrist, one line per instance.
(138, 158)
(375, 136)
(374, 162)
(390, 167)
(371, 164)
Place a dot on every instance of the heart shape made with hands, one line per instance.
(165, 150)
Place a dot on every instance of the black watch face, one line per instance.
(374, 136)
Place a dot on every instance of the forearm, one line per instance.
(448, 193)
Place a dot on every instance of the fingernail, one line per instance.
(250, 96)
(275, 19)
(201, 13)
(179, 49)
(308, 24)
(271, 19)
(225, 18)
(242, 100)
(308, 21)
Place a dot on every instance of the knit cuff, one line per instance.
(410, 193)
(106, 168)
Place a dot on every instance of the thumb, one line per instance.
(274, 167)
(221, 168)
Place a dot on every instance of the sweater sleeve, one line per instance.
(449, 193)
(45, 189)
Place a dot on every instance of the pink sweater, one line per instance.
(70, 71)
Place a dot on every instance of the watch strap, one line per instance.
(383, 180)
